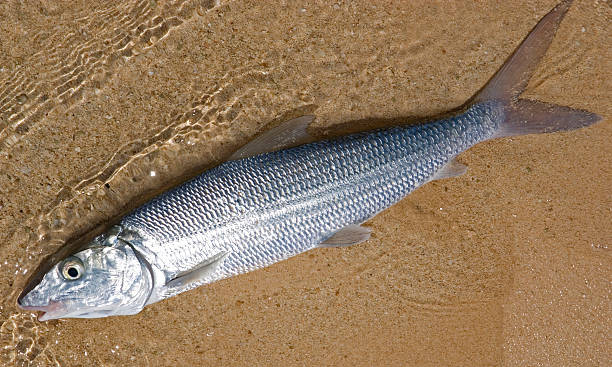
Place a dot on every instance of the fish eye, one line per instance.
(72, 268)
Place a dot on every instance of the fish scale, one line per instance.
(269, 207)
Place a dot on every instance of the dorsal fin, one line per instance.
(199, 273)
(289, 134)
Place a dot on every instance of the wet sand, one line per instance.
(507, 265)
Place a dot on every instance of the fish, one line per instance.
(284, 194)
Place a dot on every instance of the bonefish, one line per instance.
(279, 196)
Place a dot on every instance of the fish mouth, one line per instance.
(53, 310)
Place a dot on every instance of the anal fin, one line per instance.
(452, 168)
(347, 236)
(200, 272)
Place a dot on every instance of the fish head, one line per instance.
(107, 278)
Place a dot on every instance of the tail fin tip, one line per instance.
(533, 117)
(512, 78)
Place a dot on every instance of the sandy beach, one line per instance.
(102, 106)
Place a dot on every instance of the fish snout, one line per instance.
(47, 309)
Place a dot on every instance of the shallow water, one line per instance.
(104, 105)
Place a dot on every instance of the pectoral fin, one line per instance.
(286, 135)
(199, 273)
(347, 236)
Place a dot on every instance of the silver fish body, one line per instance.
(267, 208)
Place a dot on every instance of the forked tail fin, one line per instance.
(524, 116)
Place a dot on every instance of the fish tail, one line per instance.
(524, 116)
